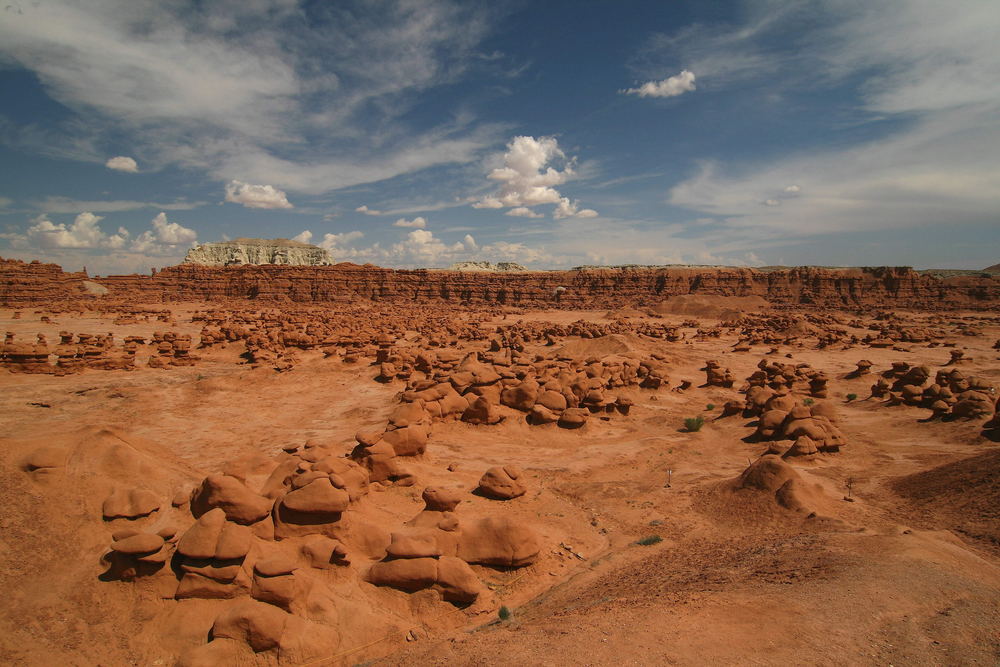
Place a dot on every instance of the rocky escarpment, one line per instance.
(487, 266)
(882, 287)
(258, 251)
(29, 283)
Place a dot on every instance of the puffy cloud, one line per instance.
(117, 241)
(523, 212)
(122, 163)
(418, 223)
(303, 237)
(82, 233)
(256, 196)
(669, 87)
(528, 177)
(166, 238)
(367, 211)
(568, 209)
(793, 188)
(334, 242)
(488, 202)
(772, 202)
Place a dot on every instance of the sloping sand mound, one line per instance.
(770, 491)
(703, 305)
(963, 496)
(619, 313)
(595, 347)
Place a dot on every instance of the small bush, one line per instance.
(504, 613)
(650, 540)
(693, 424)
(710, 406)
(851, 397)
(807, 401)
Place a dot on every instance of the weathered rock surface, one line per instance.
(258, 251)
(23, 284)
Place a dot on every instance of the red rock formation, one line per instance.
(24, 284)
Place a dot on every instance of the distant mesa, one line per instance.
(499, 267)
(992, 269)
(258, 251)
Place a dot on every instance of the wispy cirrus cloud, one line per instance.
(262, 92)
(933, 68)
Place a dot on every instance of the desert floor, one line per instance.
(906, 573)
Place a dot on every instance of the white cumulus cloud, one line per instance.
(122, 163)
(528, 176)
(523, 212)
(669, 87)
(568, 209)
(303, 237)
(367, 211)
(256, 196)
(165, 238)
(83, 232)
(334, 242)
(417, 223)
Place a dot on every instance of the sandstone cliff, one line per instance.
(880, 287)
(487, 266)
(258, 251)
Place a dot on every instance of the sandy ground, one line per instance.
(890, 578)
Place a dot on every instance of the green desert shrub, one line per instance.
(851, 397)
(650, 540)
(693, 424)
(710, 406)
(504, 613)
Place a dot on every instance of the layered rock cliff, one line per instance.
(258, 251)
(487, 266)
(31, 283)
(882, 287)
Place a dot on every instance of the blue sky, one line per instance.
(554, 134)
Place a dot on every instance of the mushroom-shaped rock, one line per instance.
(212, 536)
(804, 446)
(573, 417)
(408, 574)
(482, 411)
(408, 441)
(440, 499)
(520, 397)
(258, 624)
(502, 483)
(232, 496)
(498, 541)
(140, 544)
(130, 504)
(317, 497)
(415, 543)
(542, 415)
(769, 423)
(323, 552)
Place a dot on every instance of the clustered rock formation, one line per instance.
(281, 537)
(93, 352)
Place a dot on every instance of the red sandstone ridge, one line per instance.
(24, 284)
